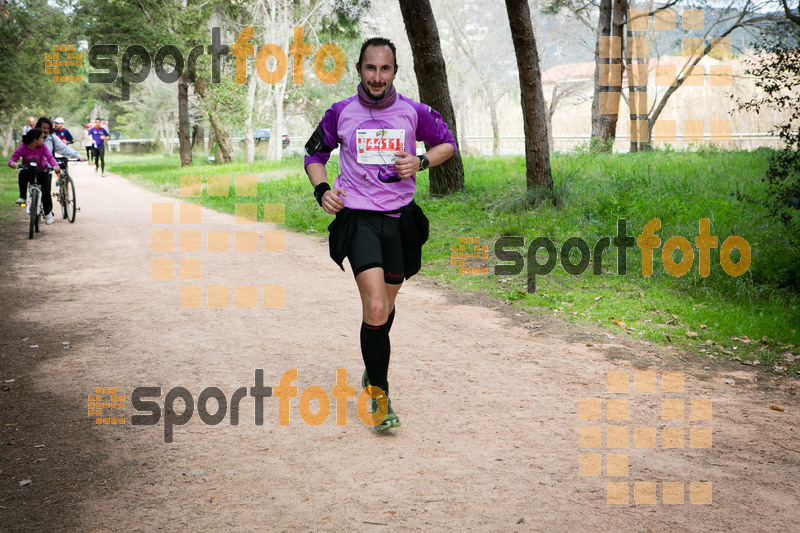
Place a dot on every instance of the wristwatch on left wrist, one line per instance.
(423, 162)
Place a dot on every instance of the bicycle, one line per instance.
(33, 203)
(66, 191)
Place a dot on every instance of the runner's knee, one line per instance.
(376, 312)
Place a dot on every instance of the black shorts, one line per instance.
(377, 242)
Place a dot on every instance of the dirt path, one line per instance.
(489, 402)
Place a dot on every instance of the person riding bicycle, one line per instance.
(61, 132)
(33, 150)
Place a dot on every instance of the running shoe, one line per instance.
(364, 380)
(390, 421)
(21, 201)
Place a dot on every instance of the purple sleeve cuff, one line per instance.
(320, 158)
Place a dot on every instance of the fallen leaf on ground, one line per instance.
(691, 333)
(777, 408)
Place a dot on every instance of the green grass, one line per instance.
(9, 192)
(591, 192)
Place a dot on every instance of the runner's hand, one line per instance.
(407, 165)
(14, 165)
(331, 202)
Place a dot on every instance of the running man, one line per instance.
(378, 227)
(99, 135)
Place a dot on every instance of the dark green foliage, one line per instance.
(777, 72)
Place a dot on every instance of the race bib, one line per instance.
(377, 147)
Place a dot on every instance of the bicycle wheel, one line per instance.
(69, 205)
(34, 210)
(62, 198)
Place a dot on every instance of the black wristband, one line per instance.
(319, 191)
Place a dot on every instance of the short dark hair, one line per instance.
(44, 120)
(377, 41)
(31, 135)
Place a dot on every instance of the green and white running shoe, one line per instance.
(390, 421)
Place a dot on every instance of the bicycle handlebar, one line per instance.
(34, 166)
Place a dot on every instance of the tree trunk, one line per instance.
(551, 110)
(8, 132)
(615, 83)
(537, 155)
(249, 143)
(197, 135)
(184, 140)
(636, 134)
(275, 147)
(493, 117)
(224, 147)
(434, 91)
(600, 117)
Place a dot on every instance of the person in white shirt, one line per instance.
(53, 143)
(88, 143)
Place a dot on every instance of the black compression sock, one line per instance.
(375, 349)
(391, 319)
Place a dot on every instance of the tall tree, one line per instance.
(184, 140)
(151, 24)
(27, 29)
(429, 67)
(537, 154)
(601, 126)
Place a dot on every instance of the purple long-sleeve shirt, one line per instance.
(340, 126)
(40, 155)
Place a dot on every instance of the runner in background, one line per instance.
(88, 143)
(99, 135)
